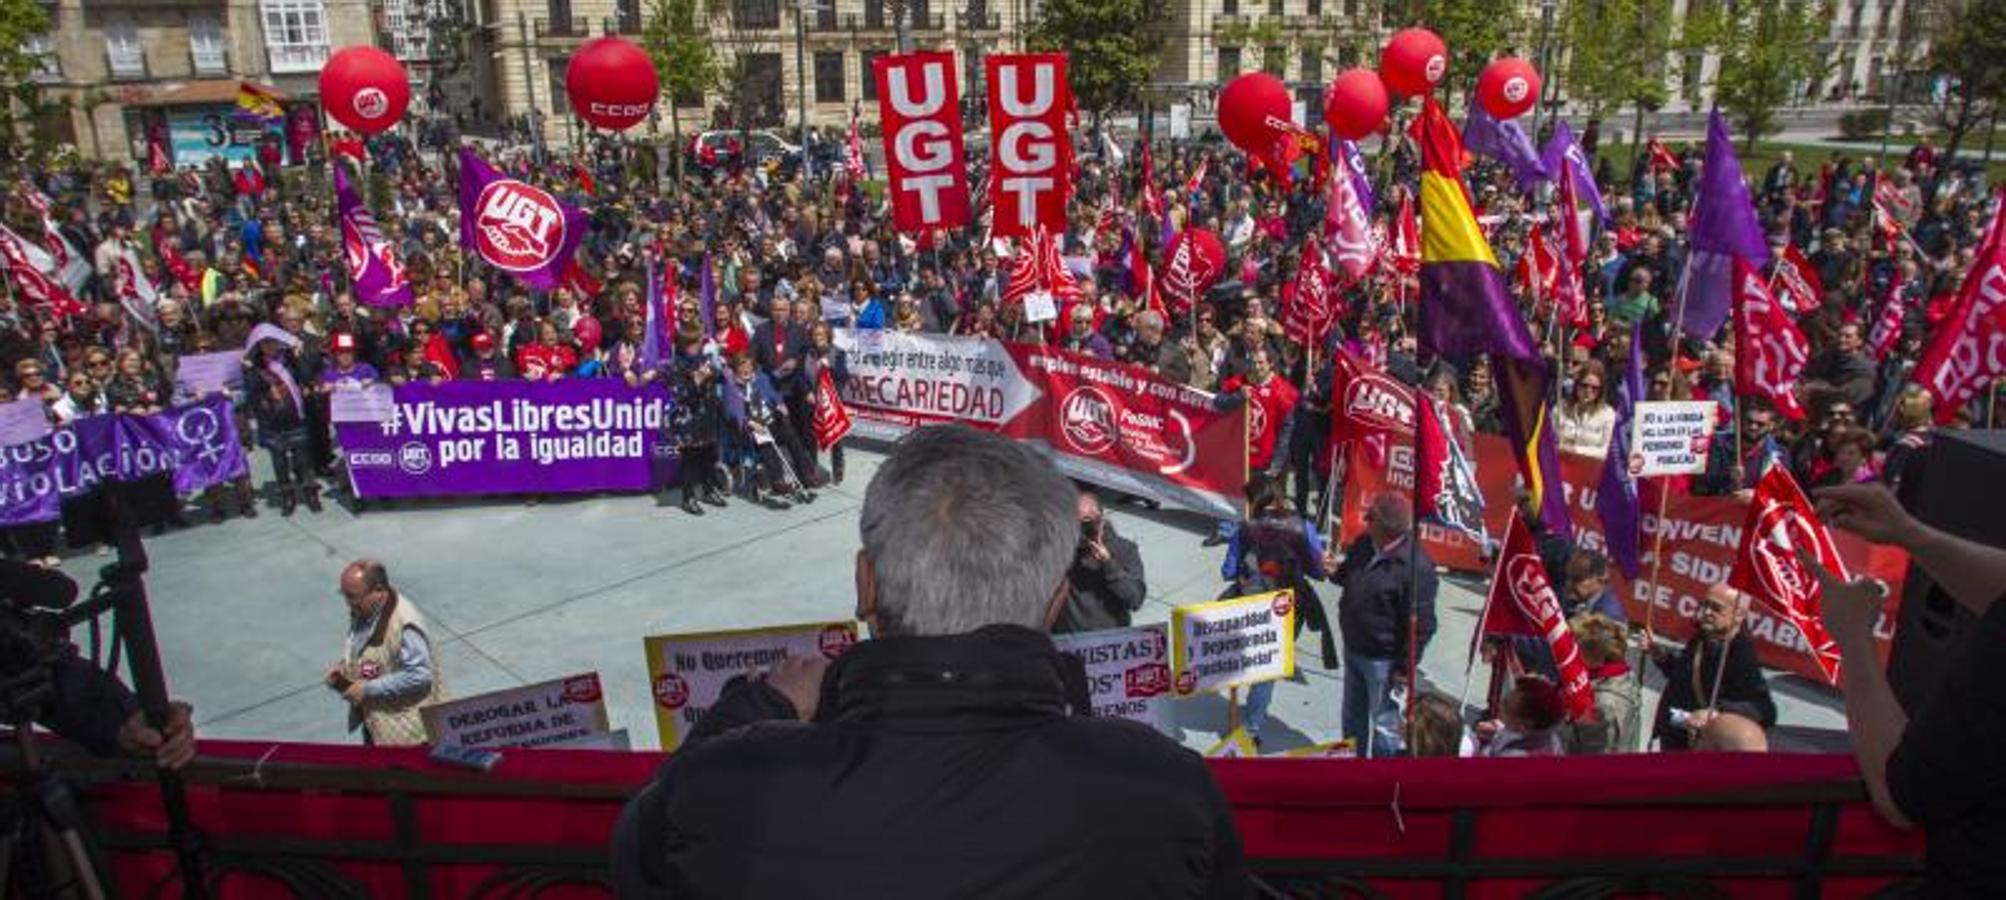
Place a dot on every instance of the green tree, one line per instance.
(1973, 54)
(1767, 53)
(677, 38)
(20, 22)
(1111, 47)
(1616, 53)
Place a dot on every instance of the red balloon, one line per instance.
(1254, 112)
(364, 88)
(1508, 87)
(1355, 105)
(612, 83)
(1413, 62)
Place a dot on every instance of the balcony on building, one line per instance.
(564, 27)
(755, 15)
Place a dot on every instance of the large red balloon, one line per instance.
(1356, 103)
(364, 88)
(1254, 112)
(612, 83)
(1414, 61)
(1508, 87)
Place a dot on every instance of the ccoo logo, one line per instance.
(518, 227)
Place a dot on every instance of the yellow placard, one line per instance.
(687, 672)
(1233, 643)
(1235, 744)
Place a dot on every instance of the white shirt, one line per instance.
(1584, 433)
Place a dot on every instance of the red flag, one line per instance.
(350, 146)
(1197, 179)
(1887, 330)
(1052, 272)
(586, 182)
(1537, 262)
(1522, 602)
(1781, 522)
(1307, 308)
(1030, 163)
(853, 153)
(1661, 158)
(1023, 278)
(1802, 291)
(1970, 349)
(832, 418)
(176, 264)
(579, 281)
(1772, 352)
(1152, 195)
(1405, 247)
(32, 270)
(926, 171)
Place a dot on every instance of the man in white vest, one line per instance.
(386, 674)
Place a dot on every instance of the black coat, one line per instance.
(1372, 612)
(793, 345)
(935, 767)
(1105, 594)
(1742, 688)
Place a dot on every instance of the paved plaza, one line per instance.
(249, 617)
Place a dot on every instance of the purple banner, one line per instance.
(373, 270)
(516, 226)
(197, 443)
(465, 438)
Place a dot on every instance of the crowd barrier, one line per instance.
(312, 820)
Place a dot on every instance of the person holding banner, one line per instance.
(272, 389)
(695, 419)
(939, 757)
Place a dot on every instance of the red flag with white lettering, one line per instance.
(1307, 308)
(1030, 155)
(1802, 291)
(1522, 602)
(1781, 521)
(1772, 352)
(1969, 349)
(832, 418)
(926, 167)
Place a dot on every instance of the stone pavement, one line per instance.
(249, 617)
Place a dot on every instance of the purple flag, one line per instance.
(516, 226)
(373, 270)
(707, 299)
(197, 443)
(1505, 142)
(1616, 499)
(1564, 159)
(1354, 165)
(1724, 226)
(651, 342)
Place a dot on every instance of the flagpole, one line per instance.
(1483, 615)
(1664, 493)
(1413, 583)
(1720, 665)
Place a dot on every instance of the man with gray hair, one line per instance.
(1387, 615)
(951, 755)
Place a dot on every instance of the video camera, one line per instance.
(38, 610)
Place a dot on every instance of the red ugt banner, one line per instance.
(926, 165)
(1030, 159)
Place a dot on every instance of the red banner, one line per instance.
(926, 167)
(1969, 349)
(1108, 423)
(1030, 158)
(832, 419)
(1701, 537)
(1523, 602)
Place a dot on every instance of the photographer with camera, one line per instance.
(42, 678)
(1105, 579)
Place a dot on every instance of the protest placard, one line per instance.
(548, 713)
(1234, 642)
(1128, 672)
(1671, 437)
(209, 373)
(23, 420)
(1235, 744)
(689, 671)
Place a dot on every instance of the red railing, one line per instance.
(330, 821)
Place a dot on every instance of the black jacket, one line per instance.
(1373, 610)
(935, 767)
(1742, 688)
(1104, 593)
(793, 346)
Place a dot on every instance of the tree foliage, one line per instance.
(1616, 53)
(1969, 48)
(1767, 52)
(20, 22)
(677, 39)
(1476, 32)
(1111, 47)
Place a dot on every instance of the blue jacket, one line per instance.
(1372, 612)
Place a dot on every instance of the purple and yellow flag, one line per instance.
(1467, 310)
(257, 103)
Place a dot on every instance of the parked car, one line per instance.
(722, 148)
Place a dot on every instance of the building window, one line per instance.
(1351, 9)
(1312, 69)
(1275, 61)
(560, 99)
(1274, 7)
(874, 13)
(123, 52)
(1229, 62)
(1229, 8)
(870, 59)
(295, 34)
(756, 14)
(1313, 8)
(48, 66)
(829, 77)
(206, 47)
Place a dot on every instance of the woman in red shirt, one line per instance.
(728, 331)
(547, 358)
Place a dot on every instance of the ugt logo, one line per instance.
(517, 226)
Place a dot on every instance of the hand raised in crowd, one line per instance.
(1868, 510)
(171, 747)
(1848, 608)
(799, 679)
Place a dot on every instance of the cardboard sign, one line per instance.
(688, 671)
(548, 713)
(1128, 672)
(1671, 437)
(1040, 307)
(1233, 643)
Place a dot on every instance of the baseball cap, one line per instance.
(482, 340)
(343, 342)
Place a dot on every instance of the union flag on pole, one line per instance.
(1802, 291)
(1522, 602)
(1781, 521)
(832, 418)
(1969, 349)
(1772, 352)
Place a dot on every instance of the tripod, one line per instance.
(42, 806)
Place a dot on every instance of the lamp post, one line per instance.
(801, 11)
(1546, 8)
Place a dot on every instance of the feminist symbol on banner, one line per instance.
(198, 429)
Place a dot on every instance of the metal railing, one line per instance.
(567, 27)
(629, 21)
